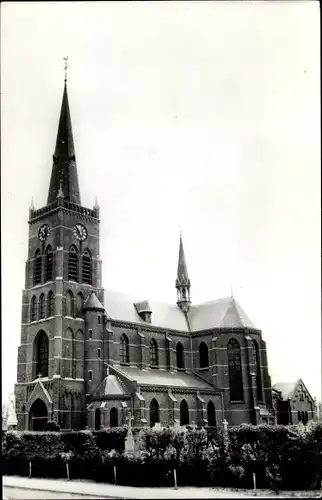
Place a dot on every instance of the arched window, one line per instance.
(41, 351)
(90, 375)
(211, 414)
(124, 349)
(33, 309)
(299, 416)
(114, 417)
(41, 307)
(235, 371)
(203, 356)
(303, 417)
(37, 268)
(69, 304)
(184, 413)
(73, 264)
(180, 356)
(258, 373)
(306, 417)
(97, 419)
(49, 264)
(154, 412)
(50, 304)
(79, 305)
(73, 356)
(87, 267)
(154, 358)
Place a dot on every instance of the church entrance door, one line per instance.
(38, 416)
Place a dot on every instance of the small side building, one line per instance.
(292, 403)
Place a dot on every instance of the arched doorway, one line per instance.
(97, 419)
(154, 412)
(184, 413)
(38, 415)
(113, 418)
(211, 414)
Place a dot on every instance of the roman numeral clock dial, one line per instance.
(80, 232)
(43, 232)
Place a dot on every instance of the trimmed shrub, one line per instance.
(52, 426)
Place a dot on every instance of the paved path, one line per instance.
(86, 489)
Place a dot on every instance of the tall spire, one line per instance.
(182, 281)
(64, 171)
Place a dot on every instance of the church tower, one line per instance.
(60, 356)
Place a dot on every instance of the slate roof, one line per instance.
(92, 302)
(285, 388)
(111, 386)
(163, 378)
(222, 313)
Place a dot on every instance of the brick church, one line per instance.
(91, 359)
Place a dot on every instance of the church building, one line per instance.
(90, 358)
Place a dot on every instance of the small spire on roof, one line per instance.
(182, 281)
(32, 206)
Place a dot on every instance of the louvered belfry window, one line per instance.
(37, 268)
(33, 309)
(50, 304)
(73, 264)
(49, 264)
(87, 267)
(41, 306)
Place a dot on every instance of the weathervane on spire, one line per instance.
(65, 67)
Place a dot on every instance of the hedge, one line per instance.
(282, 457)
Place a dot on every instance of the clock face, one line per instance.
(43, 232)
(80, 232)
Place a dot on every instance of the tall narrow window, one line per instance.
(124, 349)
(79, 305)
(41, 348)
(235, 371)
(258, 373)
(50, 304)
(203, 356)
(154, 358)
(73, 264)
(73, 356)
(87, 267)
(184, 413)
(41, 307)
(113, 417)
(90, 375)
(33, 309)
(69, 304)
(49, 264)
(37, 268)
(97, 419)
(98, 352)
(180, 356)
(154, 412)
(211, 414)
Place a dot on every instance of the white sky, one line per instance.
(204, 115)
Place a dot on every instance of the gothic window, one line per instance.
(41, 307)
(33, 309)
(235, 371)
(97, 419)
(49, 264)
(87, 267)
(124, 349)
(184, 413)
(37, 268)
(73, 264)
(303, 417)
(90, 333)
(113, 417)
(69, 304)
(90, 375)
(41, 347)
(299, 416)
(211, 414)
(98, 353)
(50, 304)
(203, 356)
(154, 361)
(258, 373)
(73, 356)
(306, 417)
(180, 356)
(79, 305)
(154, 412)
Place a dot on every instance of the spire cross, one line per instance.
(39, 375)
(65, 67)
